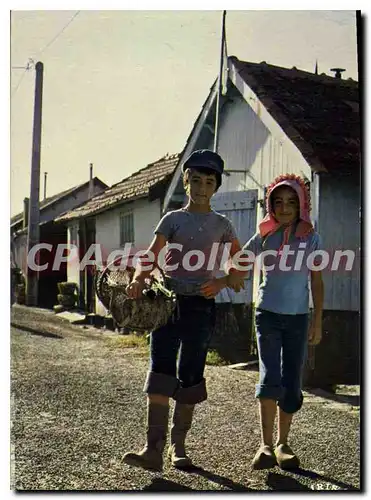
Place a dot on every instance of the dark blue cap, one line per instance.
(204, 158)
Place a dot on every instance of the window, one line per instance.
(126, 228)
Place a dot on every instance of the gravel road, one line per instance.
(78, 406)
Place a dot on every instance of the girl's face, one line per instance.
(200, 187)
(285, 205)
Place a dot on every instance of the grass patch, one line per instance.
(128, 341)
(133, 341)
(213, 358)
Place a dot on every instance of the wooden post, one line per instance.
(32, 276)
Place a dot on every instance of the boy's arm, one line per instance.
(148, 261)
(315, 330)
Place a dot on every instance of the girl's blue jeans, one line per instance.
(282, 345)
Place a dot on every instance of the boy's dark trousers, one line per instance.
(179, 350)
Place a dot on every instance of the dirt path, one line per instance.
(77, 407)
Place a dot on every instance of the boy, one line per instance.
(282, 313)
(188, 233)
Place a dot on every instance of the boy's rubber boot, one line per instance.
(151, 455)
(181, 424)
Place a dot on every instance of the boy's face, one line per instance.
(200, 187)
(285, 205)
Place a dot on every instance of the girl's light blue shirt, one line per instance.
(281, 290)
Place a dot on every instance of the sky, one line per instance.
(122, 88)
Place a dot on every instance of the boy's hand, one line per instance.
(315, 332)
(212, 287)
(135, 289)
(236, 282)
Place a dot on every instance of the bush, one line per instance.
(213, 358)
(67, 288)
(130, 340)
(66, 300)
(20, 294)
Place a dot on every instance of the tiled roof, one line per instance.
(138, 185)
(52, 199)
(319, 113)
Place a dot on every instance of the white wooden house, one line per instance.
(126, 213)
(274, 121)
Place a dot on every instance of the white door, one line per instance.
(240, 207)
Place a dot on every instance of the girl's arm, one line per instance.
(234, 278)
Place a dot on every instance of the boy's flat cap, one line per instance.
(204, 158)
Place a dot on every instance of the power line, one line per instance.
(30, 65)
(59, 33)
(19, 83)
(31, 62)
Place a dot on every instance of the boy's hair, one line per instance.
(205, 171)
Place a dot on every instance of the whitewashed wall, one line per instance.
(246, 144)
(20, 252)
(146, 216)
(73, 272)
(339, 202)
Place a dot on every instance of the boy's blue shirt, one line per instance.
(284, 292)
(195, 232)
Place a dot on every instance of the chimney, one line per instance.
(91, 190)
(337, 71)
(45, 176)
(26, 204)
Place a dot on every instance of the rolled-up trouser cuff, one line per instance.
(159, 383)
(291, 404)
(191, 395)
(268, 391)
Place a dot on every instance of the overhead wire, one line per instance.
(19, 83)
(59, 33)
(31, 61)
(30, 65)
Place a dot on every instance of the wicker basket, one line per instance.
(146, 314)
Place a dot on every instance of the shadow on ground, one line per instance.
(351, 399)
(215, 478)
(278, 482)
(33, 331)
(159, 484)
(325, 479)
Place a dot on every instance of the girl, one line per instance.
(194, 228)
(287, 237)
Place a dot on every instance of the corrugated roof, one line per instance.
(138, 185)
(52, 199)
(318, 111)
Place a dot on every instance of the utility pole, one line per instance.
(220, 83)
(33, 236)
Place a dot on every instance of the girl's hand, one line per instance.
(135, 289)
(212, 287)
(315, 332)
